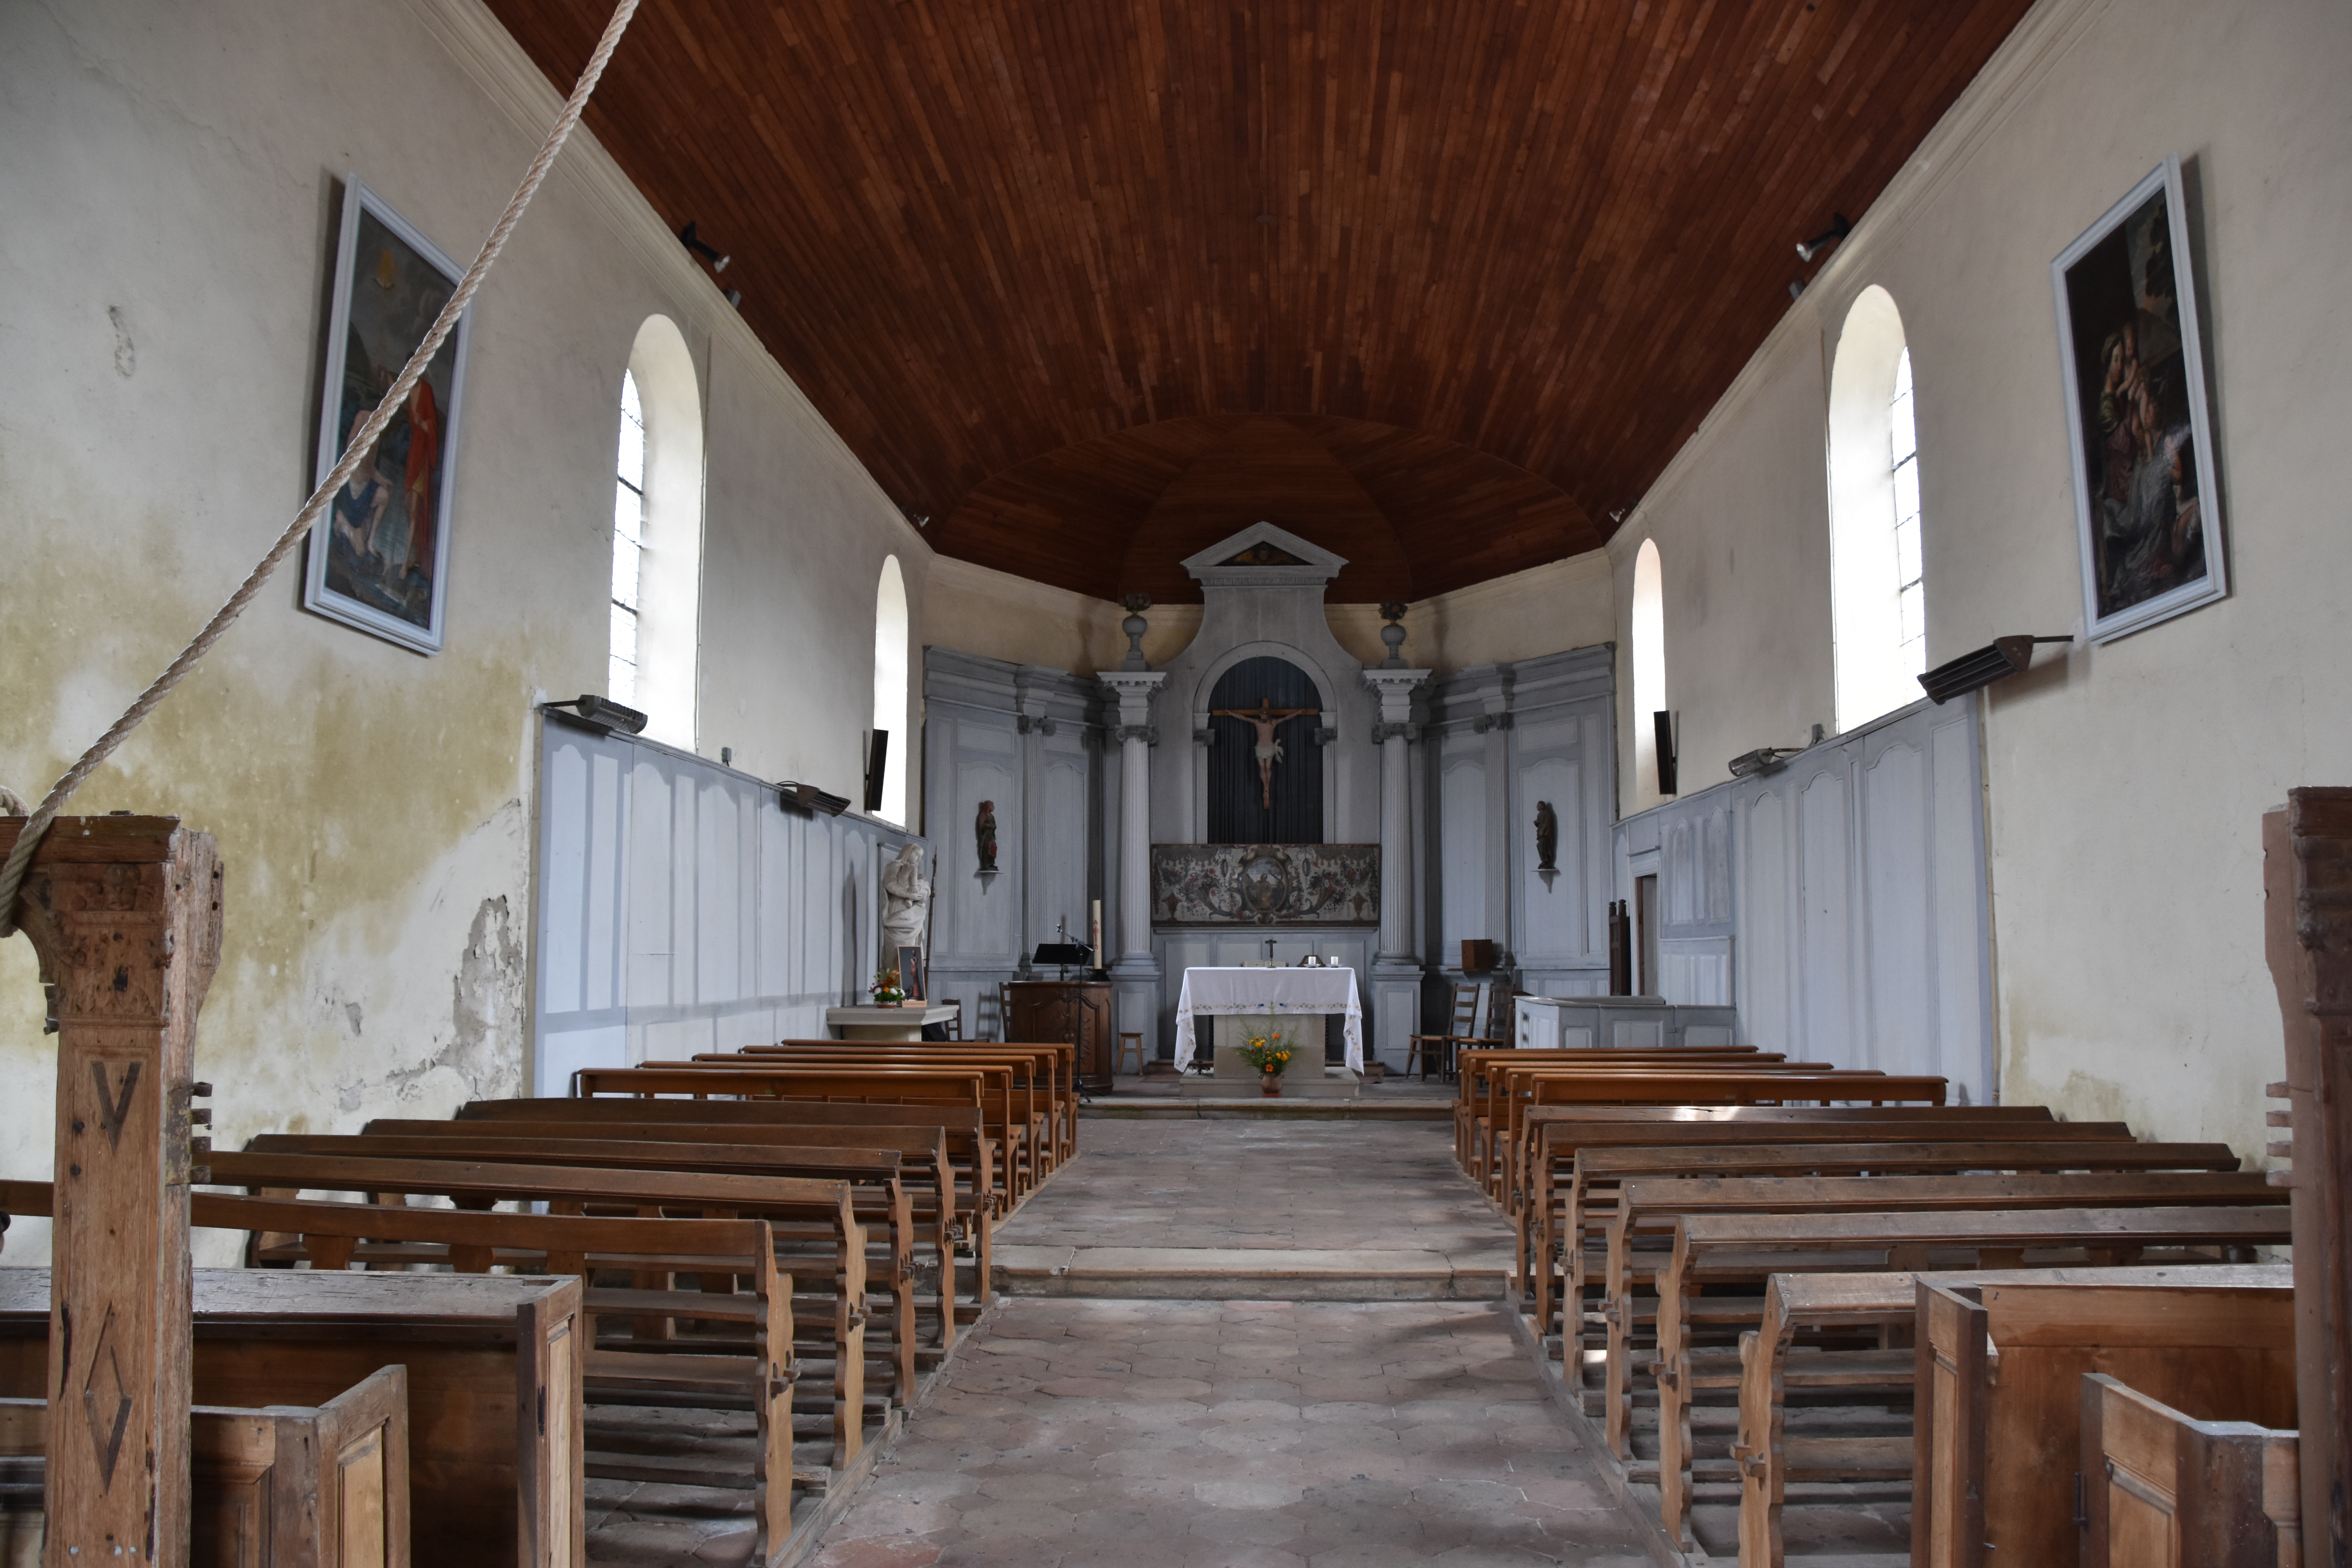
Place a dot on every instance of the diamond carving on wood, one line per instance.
(105, 1400)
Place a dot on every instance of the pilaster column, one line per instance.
(1135, 976)
(1396, 972)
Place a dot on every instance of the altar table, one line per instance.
(1212, 992)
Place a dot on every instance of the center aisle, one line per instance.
(1355, 1419)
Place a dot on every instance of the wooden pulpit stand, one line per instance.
(125, 915)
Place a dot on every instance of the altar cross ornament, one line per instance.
(1269, 749)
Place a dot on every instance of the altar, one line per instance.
(1282, 997)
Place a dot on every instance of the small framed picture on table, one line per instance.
(910, 972)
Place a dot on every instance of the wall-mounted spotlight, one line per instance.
(734, 297)
(604, 713)
(1838, 229)
(1769, 759)
(1797, 289)
(2003, 657)
(920, 520)
(709, 252)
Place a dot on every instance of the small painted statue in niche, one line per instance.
(1547, 837)
(984, 832)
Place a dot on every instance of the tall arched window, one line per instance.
(1877, 588)
(658, 536)
(890, 686)
(1649, 637)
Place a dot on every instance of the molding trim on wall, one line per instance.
(2028, 56)
(488, 53)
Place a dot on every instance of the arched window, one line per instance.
(890, 686)
(658, 536)
(1877, 589)
(1649, 635)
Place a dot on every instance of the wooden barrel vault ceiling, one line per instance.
(1441, 285)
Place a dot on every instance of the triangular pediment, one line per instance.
(1263, 556)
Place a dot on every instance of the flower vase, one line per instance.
(1270, 1084)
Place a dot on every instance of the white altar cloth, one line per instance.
(1210, 992)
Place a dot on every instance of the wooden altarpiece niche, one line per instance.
(2308, 931)
(124, 913)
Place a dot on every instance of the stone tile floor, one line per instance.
(1138, 1432)
(1235, 1435)
(1326, 1186)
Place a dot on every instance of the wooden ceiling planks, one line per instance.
(1490, 262)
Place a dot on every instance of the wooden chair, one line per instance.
(1419, 1048)
(954, 1026)
(1005, 1010)
(1119, 1065)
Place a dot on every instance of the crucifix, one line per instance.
(1269, 749)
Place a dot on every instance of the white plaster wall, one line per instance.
(176, 166)
(2125, 783)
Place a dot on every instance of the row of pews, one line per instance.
(781, 1240)
(1793, 1302)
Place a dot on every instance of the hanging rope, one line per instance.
(12, 874)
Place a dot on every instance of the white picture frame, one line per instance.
(378, 558)
(2147, 511)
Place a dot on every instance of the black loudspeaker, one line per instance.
(1664, 722)
(877, 751)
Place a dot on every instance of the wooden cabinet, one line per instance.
(1076, 1011)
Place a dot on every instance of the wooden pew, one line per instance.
(284, 1486)
(869, 1172)
(1058, 1059)
(1998, 1396)
(2159, 1486)
(1512, 1092)
(1592, 1191)
(1474, 1087)
(484, 1355)
(1760, 1086)
(1556, 1132)
(896, 1086)
(755, 1372)
(813, 1223)
(1027, 1079)
(1715, 1252)
(982, 1193)
(1799, 1350)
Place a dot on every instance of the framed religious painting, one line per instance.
(379, 557)
(910, 972)
(2145, 507)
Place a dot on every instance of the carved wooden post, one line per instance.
(2308, 931)
(125, 913)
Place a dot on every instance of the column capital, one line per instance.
(1134, 690)
(1395, 689)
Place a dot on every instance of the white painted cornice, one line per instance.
(489, 56)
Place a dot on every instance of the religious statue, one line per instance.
(906, 900)
(1269, 749)
(983, 833)
(1547, 837)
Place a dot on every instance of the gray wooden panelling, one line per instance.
(681, 909)
(1841, 902)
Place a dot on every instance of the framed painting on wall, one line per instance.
(2145, 507)
(379, 557)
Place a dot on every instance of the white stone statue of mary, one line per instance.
(906, 902)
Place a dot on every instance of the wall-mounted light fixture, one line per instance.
(705, 249)
(1838, 229)
(1769, 759)
(804, 797)
(604, 712)
(1662, 726)
(920, 520)
(1999, 659)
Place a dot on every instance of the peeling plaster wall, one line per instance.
(2126, 782)
(169, 175)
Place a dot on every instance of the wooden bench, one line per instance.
(1715, 1253)
(284, 1486)
(485, 1355)
(1998, 1396)
(1556, 1132)
(754, 1372)
(1028, 1079)
(930, 1262)
(1512, 1082)
(1803, 1400)
(1473, 1088)
(896, 1086)
(2159, 1486)
(1058, 1060)
(1592, 1191)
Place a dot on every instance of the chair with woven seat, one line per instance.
(1422, 1048)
